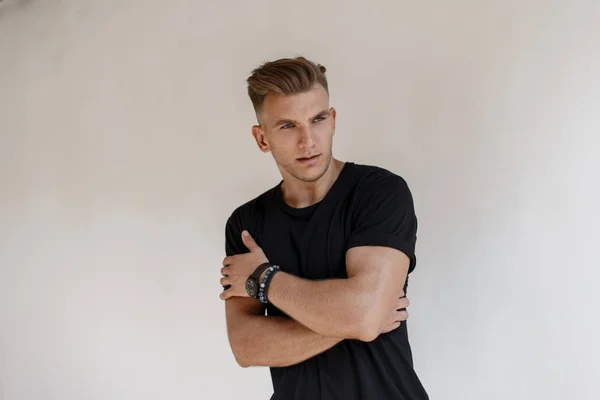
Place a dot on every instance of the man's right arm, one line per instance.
(272, 341)
(257, 339)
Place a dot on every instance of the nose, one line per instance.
(305, 140)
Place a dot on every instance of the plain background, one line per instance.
(125, 144)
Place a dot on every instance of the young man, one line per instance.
(326, 252)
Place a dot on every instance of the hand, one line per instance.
(397, 315)
(236, 269)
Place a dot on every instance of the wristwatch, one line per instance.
(252, 283)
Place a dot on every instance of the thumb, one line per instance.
(249, 241)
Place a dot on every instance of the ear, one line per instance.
(259, 136)
(333, 114)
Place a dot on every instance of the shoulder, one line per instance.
(372, 180)
(245, 217)
(251, 210)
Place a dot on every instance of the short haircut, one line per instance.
(284, 76)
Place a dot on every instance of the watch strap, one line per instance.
(259, 270)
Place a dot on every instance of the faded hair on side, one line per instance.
(284, 76)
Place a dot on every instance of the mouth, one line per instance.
(308, 160)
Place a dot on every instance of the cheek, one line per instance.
(281, 148)
(324, 132)
(281, 144)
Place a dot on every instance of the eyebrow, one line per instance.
(283, 121)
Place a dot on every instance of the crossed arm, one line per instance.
(323, 313)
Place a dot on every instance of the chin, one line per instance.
(313, 175)
(309, 178)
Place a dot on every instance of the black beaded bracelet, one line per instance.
(264, 285)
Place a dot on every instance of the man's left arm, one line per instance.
(379, 257)
(356, 307)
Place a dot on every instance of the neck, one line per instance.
(299, 194)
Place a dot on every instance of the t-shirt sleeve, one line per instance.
(384, 215)
(233, 235)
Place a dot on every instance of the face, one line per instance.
(298, 131)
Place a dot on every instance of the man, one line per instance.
(326, 252)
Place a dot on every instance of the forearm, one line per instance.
(333, 307)
(275, 341)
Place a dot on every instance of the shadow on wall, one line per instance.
(7, 5)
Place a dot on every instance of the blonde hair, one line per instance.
(284, 76)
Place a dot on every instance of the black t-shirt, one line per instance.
(366, 206)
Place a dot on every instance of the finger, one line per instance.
(401, 315)
(225, 271)
(227, 261)
(249, 241)
(225, 281)
(226, 294)
(402, 302)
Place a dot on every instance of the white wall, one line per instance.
(125, 143)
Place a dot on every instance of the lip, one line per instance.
(309, 160)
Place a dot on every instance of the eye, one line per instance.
(318, 119)
(287, 126)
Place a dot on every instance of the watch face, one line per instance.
(251, 287)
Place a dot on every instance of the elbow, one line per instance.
(240, 353)
(368, 333)
(363, 329)
(240, 358)
(368, 324)
(241, 361)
